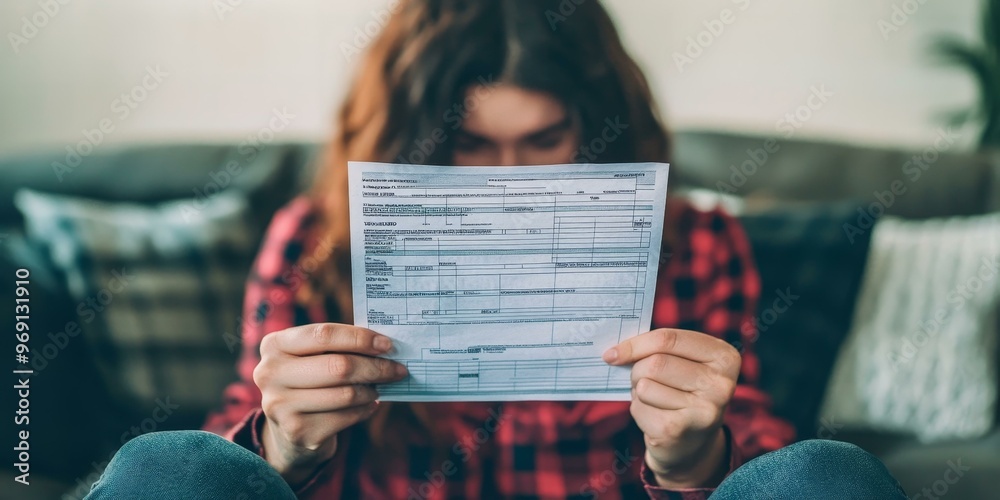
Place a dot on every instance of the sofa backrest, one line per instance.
(937, 181)
(152, 173)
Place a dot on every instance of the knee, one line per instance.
(823, 450)
(816, 469)
(189, 445)
(828, 460)
(181, 462)
(171, 450)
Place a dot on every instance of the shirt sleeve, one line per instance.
(267, 307)
(727, 290)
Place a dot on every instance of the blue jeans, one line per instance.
(188, 465)
(192, 465)
(816, 469)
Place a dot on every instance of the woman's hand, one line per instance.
(681, 384)
(315, 381)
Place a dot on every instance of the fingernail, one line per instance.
(611, 355)
(383, 343)
(401, 370)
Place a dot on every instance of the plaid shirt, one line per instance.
(537, 449)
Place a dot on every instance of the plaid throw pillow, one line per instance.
(157, 290)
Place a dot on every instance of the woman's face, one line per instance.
(506, 125)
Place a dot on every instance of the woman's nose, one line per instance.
(508, 157)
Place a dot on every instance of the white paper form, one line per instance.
(506, 283)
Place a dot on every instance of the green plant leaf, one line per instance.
(959, 118)
(991, 28)
(984, 64)
(975, 60)
(955, 51)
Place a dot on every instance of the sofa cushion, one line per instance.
(157, 290)
(66, 378)
(975, 463)
(921, 355)
(810, 272)
(954, 469)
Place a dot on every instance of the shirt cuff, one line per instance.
(249, 433)
(246, 432)
(657, 492)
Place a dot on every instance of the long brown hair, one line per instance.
(421, 65)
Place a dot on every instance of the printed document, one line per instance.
(506, 283)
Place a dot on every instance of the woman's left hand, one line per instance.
(681, 384)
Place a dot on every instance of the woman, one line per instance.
(495, 82)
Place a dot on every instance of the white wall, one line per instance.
(227, 70)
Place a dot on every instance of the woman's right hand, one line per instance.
(315, 381)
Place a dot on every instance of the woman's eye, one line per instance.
(466, 143)
(548, 141)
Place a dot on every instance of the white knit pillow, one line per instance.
(921, 356)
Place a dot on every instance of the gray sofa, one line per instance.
(79, 422)
(800, 175)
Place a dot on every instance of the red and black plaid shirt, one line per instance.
(533, 449)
